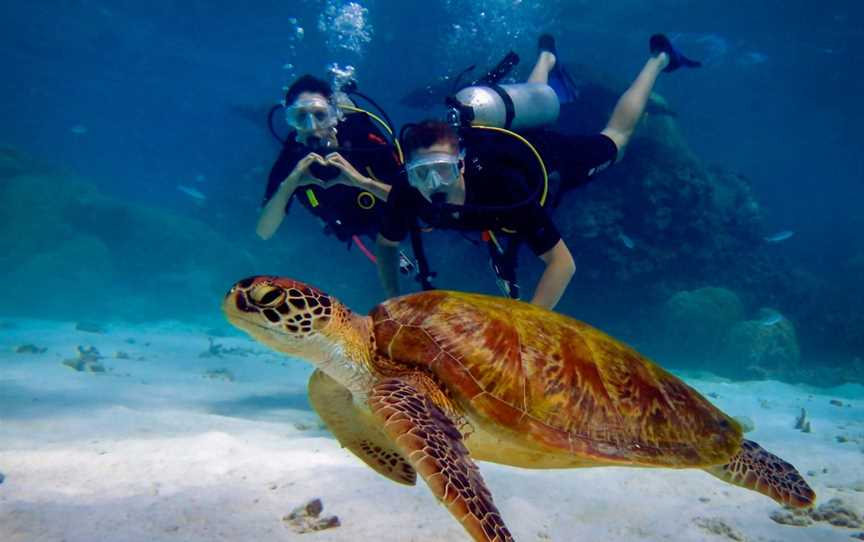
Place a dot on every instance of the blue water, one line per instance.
(728, 244)
(137, 100)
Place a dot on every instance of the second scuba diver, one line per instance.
(341, 164)
(483, 180)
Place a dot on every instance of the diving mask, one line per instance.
(433, 171)
(312, 114)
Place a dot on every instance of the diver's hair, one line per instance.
(427, 133)
(307, 83)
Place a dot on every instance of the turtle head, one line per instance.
(297, 319)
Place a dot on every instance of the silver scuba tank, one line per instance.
(515, 107)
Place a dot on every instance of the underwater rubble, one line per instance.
(836, 512)
(87, 360)
(306, 518)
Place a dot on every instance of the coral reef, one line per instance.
(85, 255)
(694, 323)
(755, 349)
(13, 162)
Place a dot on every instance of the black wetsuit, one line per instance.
(345, 210)
(503, 184)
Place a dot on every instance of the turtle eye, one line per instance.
(267, 296)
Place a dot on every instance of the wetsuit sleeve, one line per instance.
(538, 229)
(399, 214)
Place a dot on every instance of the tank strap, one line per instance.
(509, 108)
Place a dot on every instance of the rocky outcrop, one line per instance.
(71, 252)
(693, 325)
(766, 347)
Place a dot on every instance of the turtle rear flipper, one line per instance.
(433, 445)
(357, 430)
(757, 469)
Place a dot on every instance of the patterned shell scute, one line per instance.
(566, 384)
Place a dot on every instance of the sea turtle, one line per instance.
(429, 382)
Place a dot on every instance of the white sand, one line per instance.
(154, 451)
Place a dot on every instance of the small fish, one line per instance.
(79, 129)
(191, 192)
(779, 236)
(771, 319)
(626, 240)
(200, 178)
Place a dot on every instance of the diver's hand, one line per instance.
(301, 176)
(349, 175)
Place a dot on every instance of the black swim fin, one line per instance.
(563, 84)
(659, 43)
(500, 71)
(546, 42)
(559, 79)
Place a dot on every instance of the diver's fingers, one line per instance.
(340, 162)
(342, 165)
(313, 157)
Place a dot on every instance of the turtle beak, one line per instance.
(236, 303)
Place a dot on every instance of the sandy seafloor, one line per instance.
(153, 450)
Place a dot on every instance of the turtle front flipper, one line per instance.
(433, 445)
(357, 430)
(757, 469)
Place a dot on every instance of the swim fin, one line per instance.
(659, 43)
(559, 79)
(546, 42)
(563, 84)
(500, 71)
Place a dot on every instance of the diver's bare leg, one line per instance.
(631, 104)
(544, 65)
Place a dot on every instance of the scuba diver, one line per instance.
(469, 174)
(341, 159)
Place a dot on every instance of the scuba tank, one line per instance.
(515, 107)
